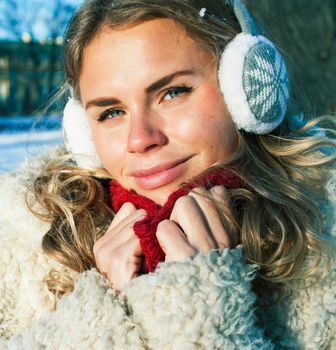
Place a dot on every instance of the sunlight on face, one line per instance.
(157, 115)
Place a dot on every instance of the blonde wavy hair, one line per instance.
(277, 215)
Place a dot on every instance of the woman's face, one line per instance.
(157, 115)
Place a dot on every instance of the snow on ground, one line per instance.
(23, 136)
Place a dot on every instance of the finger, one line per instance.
(189, 216)
(114, 259)
(126, 263)
(117, 236)
(211, 216)
(173, 242)
(125, 210)
(125, 223)
(129, 221)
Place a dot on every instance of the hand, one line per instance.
(194, 226)
(118, 254)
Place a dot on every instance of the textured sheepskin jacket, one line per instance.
(204, 302)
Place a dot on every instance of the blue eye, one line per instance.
(177, 91)
(110, 114)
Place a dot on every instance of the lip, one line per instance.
(159, 175)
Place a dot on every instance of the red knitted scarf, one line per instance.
(146, 228)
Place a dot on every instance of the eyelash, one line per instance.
(102, 116)
(174, 89)
(177, 89)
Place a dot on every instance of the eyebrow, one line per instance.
(108, 101)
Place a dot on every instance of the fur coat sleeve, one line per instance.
(204, 302)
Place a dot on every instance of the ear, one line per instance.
(254, 81)
(78, 136)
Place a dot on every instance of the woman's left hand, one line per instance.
(194, 226)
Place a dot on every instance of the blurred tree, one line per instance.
(34, 20)
(36, 23)
(17, 19)
(56, 24)
(305, 30)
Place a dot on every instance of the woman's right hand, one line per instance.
(118, 253)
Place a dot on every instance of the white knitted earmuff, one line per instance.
(252, 76)
(77, 135)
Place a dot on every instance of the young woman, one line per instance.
(188, 211)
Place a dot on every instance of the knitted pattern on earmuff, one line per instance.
(252, 75)
(265, 82)
(246, 86)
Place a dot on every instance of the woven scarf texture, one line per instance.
(146, 228)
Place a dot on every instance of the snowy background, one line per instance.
(23, 136)
(30, 20)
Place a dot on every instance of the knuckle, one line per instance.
(191, 251)
(210, 243)
(102, 241)
(218, 191)
(200, 191)
(222, 245)
(107, 254)
(117, 255)
(184, 202)
(162, 228)
(181, 255)
(128, 207)
(130, 267)
(164, 223)
(200, 195)
(141, 212)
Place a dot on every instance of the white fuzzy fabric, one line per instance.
(205, 302)
(23, 265)
(78, 136)
(202, 303)
(230, 75)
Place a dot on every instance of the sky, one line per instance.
(34, 12)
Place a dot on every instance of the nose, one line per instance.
(145, 133)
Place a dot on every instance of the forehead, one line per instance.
(159, 45)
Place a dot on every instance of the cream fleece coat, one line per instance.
(204, 302)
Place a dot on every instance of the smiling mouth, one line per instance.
(160, 175)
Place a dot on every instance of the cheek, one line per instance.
(219, 122)
(218, 135)
(211, 126)
(110, 149)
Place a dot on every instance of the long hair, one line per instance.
(277, 215)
